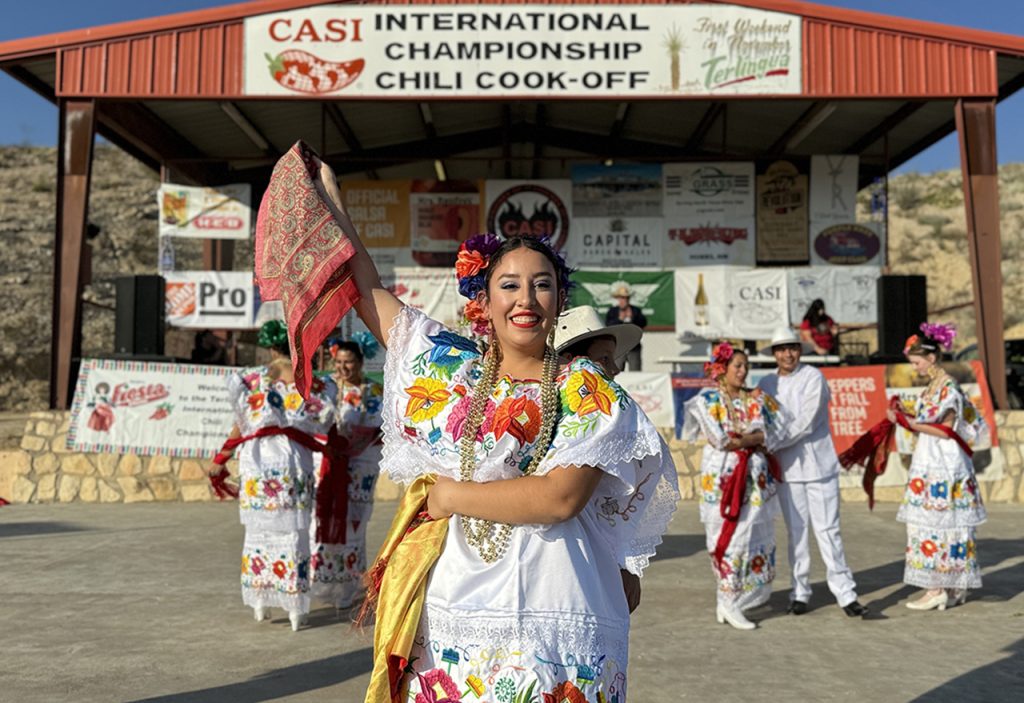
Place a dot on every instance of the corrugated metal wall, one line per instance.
(838, 61)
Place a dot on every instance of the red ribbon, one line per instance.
(332, 493)
(734, 495)
(872, 449)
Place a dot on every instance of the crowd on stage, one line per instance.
(536, 490)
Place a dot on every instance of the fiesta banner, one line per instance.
(564, 51)
(615, 242)
(150, 408)
(214, 299)
(782, 215)
(731, 302)
(651, 291)
(850, 293)
(709, 213)
(223, 212)
(531, 208)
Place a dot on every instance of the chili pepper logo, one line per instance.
(162, 411)
(305, 73)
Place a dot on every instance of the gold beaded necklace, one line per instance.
(490, 539)
(735, 421)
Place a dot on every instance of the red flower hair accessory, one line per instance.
(720, 357)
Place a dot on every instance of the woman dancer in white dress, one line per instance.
(941, 505)
(738, 483)
(554, 480)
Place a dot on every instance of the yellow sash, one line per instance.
(410, 551)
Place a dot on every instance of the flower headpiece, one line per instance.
(471, 272)
(935, 338)
(720, 357)
(366, 342)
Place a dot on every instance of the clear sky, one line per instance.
(26, 118)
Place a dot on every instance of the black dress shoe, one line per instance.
(855, 610)
(797, 607)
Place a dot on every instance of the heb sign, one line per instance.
(212, 299)
(525, 51)
(150, 408)
(223, 212)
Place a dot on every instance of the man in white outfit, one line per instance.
(809, 492)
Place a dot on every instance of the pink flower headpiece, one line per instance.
(942, 333)
(720, 357)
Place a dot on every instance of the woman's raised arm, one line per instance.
(378, 306)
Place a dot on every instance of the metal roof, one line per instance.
(180, 76)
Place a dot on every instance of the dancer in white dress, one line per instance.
(941, 505)
(738, 482)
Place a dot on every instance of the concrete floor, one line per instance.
(141, 603)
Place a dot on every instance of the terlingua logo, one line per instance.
(530, 210)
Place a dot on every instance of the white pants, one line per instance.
(816, 504)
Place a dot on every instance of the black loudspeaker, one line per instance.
(139, 319)
(902, 307)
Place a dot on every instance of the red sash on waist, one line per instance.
(871, 450)
(734, 495)
(331, 494)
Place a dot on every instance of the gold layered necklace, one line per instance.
(938, 377)
(490, 539)
(735, 420)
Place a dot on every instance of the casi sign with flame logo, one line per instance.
(530, 208)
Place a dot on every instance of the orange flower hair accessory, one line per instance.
(720, 357)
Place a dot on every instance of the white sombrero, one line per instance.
(583, 322)
(784, 335)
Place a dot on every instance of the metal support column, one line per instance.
(976, 128)
(77, 124)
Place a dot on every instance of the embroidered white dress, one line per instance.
(550, 617)
(276, 478)
(337, 569)
(942, 505)
(749, 562)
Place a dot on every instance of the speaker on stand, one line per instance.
(139, 317)
(902, 307)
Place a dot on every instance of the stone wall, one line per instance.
(36, 467)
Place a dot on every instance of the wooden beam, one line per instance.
(506, 139)
(886, 125)
(427, 117)
(619, 125)
(77, 120)
(802, 127)
(348, 134)
(976, 128)
(937, 134)
(711, 116)
(255, 135)
(538, 141)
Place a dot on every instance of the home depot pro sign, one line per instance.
(565, 51)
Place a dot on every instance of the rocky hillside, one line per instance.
(926, 217)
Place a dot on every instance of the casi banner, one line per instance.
(730, 302)
(223, 212)
(651, 291)
(212, 299)
(530, 208)
(150, 408)
(709, 213)
(615, 242)
(561, 50)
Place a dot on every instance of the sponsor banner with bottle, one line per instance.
(150, 408)
(709, 214)
(565, 51)
(219, 300)
(535, 208)
(731, 302)
(651, 291)
(782, 215)
(615, 242)
(223, 212)
(619, 190)
(850, 293)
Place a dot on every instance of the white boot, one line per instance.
(261, 613)
(734, 617)
(297, 620)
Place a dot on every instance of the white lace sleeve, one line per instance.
(238, 391)
(602, 427)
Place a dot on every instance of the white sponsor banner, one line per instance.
(850, 293)
(223, 212)
(709, 213)
(528, 51)
(833, 190)
(652, 393)
(615, 242)
(619, 190)
(150, 408)
(213, 299)
(536, 208)
(741, 303)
